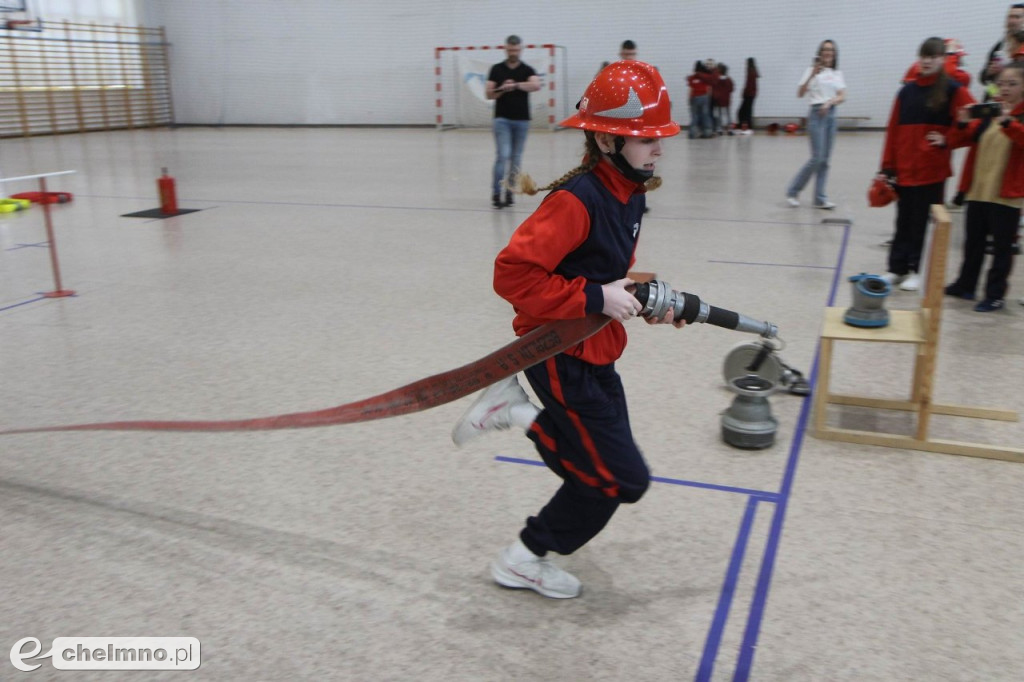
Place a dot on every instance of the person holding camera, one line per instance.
(824, 85)
(994, 181)
(916, 159)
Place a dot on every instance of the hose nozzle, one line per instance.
(657, 297)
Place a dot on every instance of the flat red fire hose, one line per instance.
(526, 351)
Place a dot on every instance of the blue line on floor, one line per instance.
(748, 647)
(22, 303)
(759, 494)
(25, 246)
(732, 574)
(775, 265)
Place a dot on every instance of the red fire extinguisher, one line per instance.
(168, 197)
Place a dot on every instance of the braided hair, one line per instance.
(591, 157)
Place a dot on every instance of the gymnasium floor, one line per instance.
(329, 265)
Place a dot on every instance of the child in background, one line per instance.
(994, 184)
(700, 82)
(569, 259)
(916, 159)
(721, 96)
(745, 116)
(954, 63)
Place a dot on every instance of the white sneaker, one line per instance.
(911, 282)
(827, 205)
(518, 567)
(892, 278)
(491, 411)
(793, 202)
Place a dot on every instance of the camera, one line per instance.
(986, 110)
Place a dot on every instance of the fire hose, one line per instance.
(552, 338)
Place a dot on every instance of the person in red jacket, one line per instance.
(700, 83)
(994, 181)
(567, 260)
(916, 159)
(745, 116)
(721, 96)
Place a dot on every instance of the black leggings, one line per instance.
(746, 113)
(983, 219)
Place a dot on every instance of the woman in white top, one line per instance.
(824, 85)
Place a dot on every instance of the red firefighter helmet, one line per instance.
(627, 98)
(881, 193)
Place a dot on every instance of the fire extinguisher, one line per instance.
(168, 196)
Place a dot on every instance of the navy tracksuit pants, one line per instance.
(583, 435)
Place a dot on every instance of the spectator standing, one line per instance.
(745, 116)
(509, 84)
(721, 95)
(916, 158)
(994, 180)
(700, 82)
(824, 86)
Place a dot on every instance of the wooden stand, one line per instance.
(919, 327)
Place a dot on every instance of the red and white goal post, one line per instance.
(461, 74)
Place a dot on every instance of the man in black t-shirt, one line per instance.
(509, 84)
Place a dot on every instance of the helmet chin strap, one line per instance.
(637, 175)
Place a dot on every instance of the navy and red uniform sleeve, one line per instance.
(524, 271)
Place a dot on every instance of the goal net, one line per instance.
(461, 74)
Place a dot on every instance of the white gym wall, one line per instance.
(352, 62)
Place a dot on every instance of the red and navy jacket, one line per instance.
(581, 236)
(969, 133)
(907, 153)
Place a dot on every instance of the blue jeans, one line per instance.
(509, 140)
(822, 133)
(700, 116)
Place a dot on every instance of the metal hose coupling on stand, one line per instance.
(657, 297)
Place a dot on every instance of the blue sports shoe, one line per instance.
(989, 305)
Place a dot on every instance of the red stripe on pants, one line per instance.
(610, 487)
